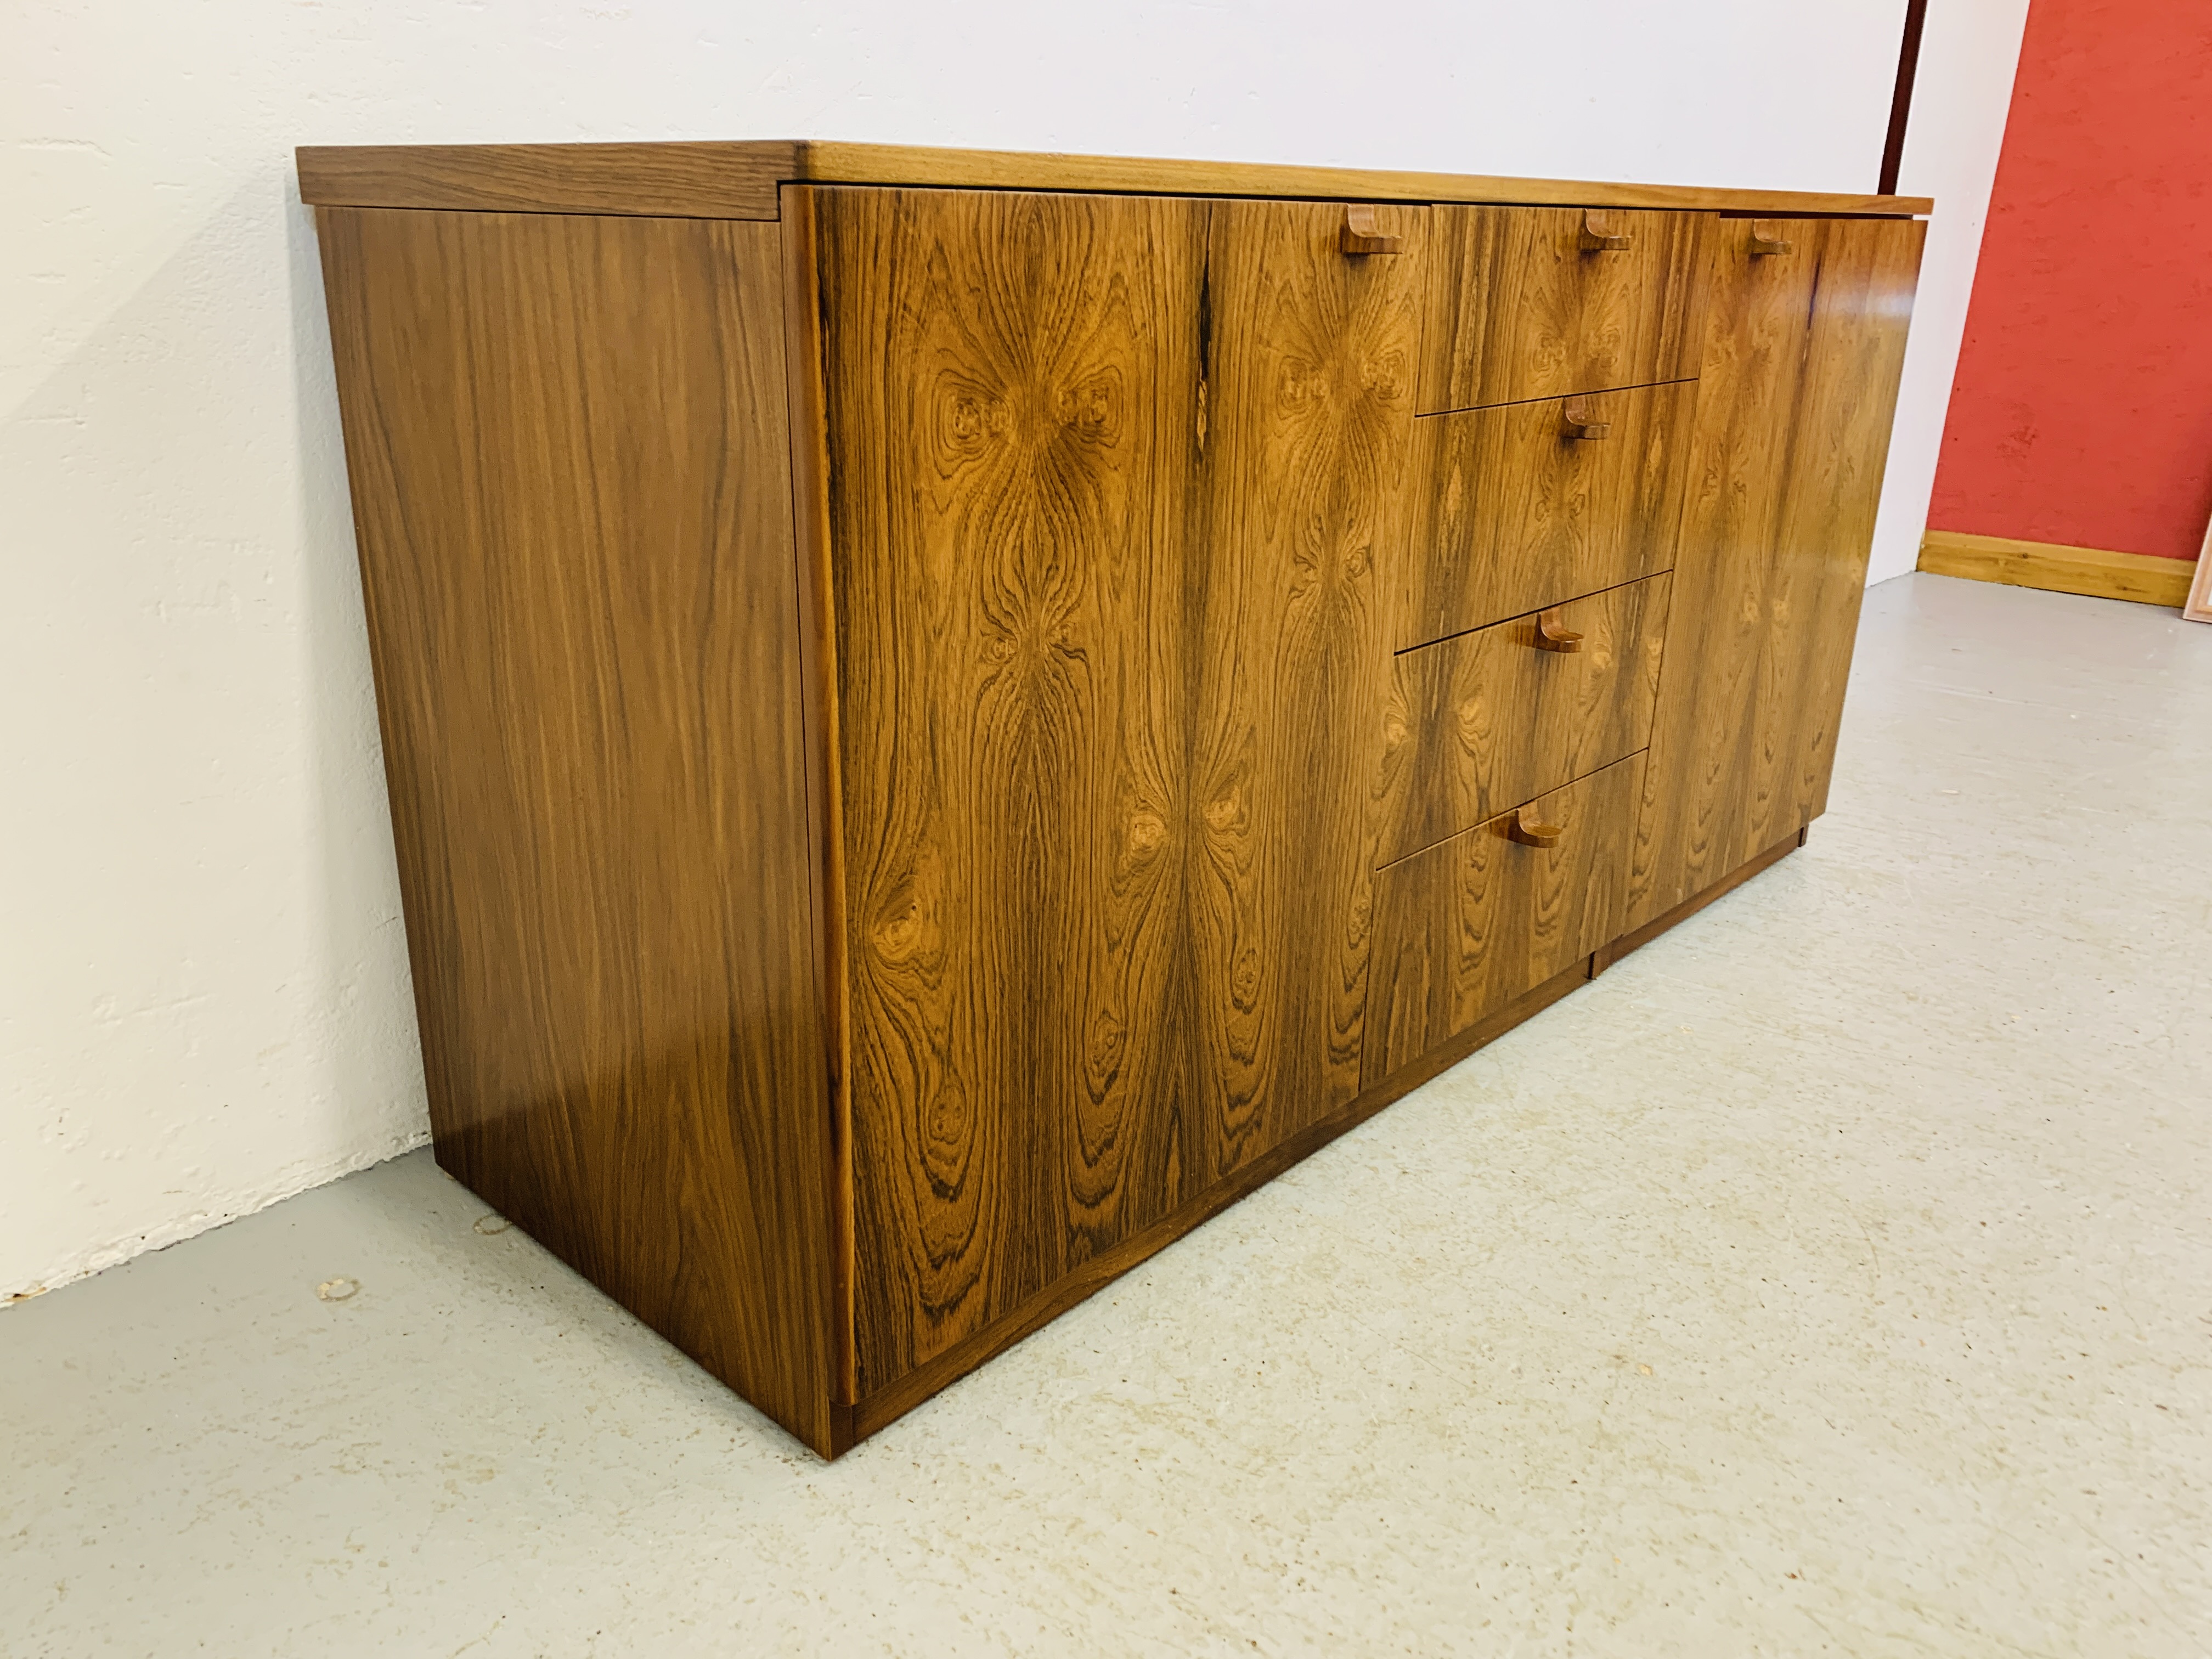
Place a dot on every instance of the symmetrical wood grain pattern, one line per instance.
(1482, 722)
(1512, 514)
(1011, 393)
(567, 443)
(679, 180)
(1531, 302)
(1467, 926)
(2143, 577)
(1799, 383)
(708, 181)
(1109, 478)
(1309, 422)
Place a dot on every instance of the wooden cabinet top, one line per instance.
(739, 180)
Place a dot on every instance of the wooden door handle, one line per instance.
(1552, 632)
(1525, 827)
(1766, 237)
(1600, 237)
(1360, 235)
(1575, 421)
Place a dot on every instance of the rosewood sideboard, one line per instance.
(948, 715)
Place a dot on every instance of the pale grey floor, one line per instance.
(1834, 1276)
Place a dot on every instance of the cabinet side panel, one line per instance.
(567, 443)
(1803, 353)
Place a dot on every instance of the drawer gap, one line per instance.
(1553, 397)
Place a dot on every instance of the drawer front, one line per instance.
(1515, 512)
(1479, 723)
(1466, 926)
(1521, 306)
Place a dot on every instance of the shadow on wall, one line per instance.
(358, 883)
(218, 1013)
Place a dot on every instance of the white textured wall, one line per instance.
(203, 1000)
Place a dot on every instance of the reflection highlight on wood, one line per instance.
(1519, 309)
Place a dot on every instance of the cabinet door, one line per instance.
(1310, 399)
(1011, 389)
(1109, 480)
(1802, 354)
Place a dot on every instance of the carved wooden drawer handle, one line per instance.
(1359, 235)
(1599, 237)
(1766, 237)
(1525, 827)
(1552, 632)
(1575, 421)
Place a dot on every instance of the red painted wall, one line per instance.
(2082, 410)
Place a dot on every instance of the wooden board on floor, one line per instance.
(2199, 607)
(2058, 568)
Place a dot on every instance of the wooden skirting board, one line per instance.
(2058, 570)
